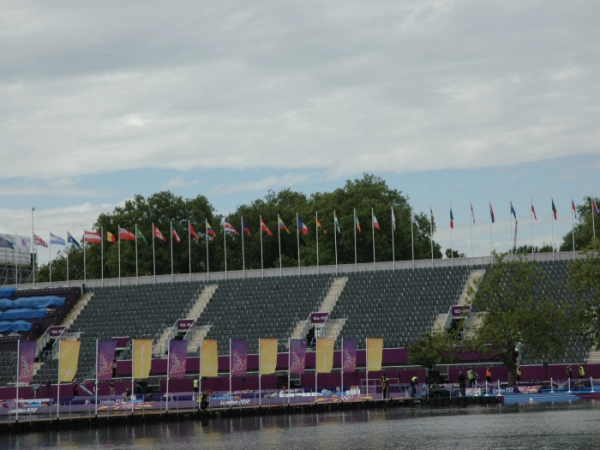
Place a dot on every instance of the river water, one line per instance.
(531, 426)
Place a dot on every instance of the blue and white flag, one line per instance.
(5, 243)
(71, 240)
(54, 239)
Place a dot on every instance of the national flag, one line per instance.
(533, 211)
(554, 211)
(54, 239)
(263, 226)
(414, 219)
(512, 210)
(175, 235)
(320, 225)
(71, 240)
(193, 233)
(91, 236)
(108, 236)
(451, 219)
(472, 213)
(139, 235)
(594, 208)
(245, 228)
(376, 223)
(281, 225)
(336, 223)
(125, 235)
(393, 220)
(356, 222)
(5, 243)
(209, 230)
(39, 241)
(229, 228)
(574, 209)
(492, 216)
(432, 218)
(303, 228)
(156, 233)
(21, 243)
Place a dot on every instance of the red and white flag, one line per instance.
(39, 241)
(193, 233)
(376, 223)
(92, 236)
(263, 226)
(174, 233)
(157, 233)
(125, 235)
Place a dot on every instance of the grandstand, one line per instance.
(378, 301)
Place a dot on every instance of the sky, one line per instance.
(450, 102)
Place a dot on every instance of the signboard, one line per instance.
(56, 331)
(318, 317)
(185, 324)
(460, 311)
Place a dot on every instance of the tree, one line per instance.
(582, 233)
(434, 348)
(584, 283)
(450, 253)
(519, 313)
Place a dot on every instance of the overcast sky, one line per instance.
(451, 102)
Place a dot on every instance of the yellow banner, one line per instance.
(324, 355)
(68, 360)
(209, 359)
(268, 356)
(374, 353)
(142, 358)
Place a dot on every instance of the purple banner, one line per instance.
(56, 331)
(121, 341)
(460, 311)
(185, 324)
(318, 317)
(238, 360)
(27, 350)
(297, 355)
(349, 355)
(177, 357)
(105, 359)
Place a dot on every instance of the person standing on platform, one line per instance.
(471, 377)
(569, 372)
(488, 374)
(196, 386)
(462, 383)
(518, 373)
(413, 385)
(385, 386)
(581, 372)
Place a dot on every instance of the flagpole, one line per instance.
(102, 254)
(84, 266)
(298, 239)
(431, 233)
(33, 252)
(289, 366)
(119, 252)
(190, 249)
(355, 254)
(491, 239)
(172, 273)
(207, 260)
(58, 382)
(133, 356)
(472, 219)
(512, 236)
(451, 235)
(279, 238)
(17, 267)
(316, 369)
(225, 248)
(553, 219)
(373, 236)
(230, 385)
(412, 237)
(18, 372)
(335, 232)
(593, 221)
(168, 370)
(259, 373)
(153, 265)
(137, 275)
(68, 251)
(50, 260)
(573, 224)
(531, 220)
(96, 390)
(393, 232)
(317, 234)
(243, 250)
(262, 266)
(342, 367)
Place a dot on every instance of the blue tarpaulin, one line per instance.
(23, 313)
(17, 326)
(49, 301)
(6, 292)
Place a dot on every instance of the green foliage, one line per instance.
(450, 253)
(433, 348)
(518, 312)
(582, 233)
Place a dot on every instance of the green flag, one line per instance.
(139, 235)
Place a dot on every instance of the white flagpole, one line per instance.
(342, 367)
(491, 238)
(573, 225)
(137, 275)
(243, 249)
(50, 259)
(279, 237)
(190, 249)
(18, 373)
(58, 383)
(451, 237)
(230, 384)
(317, 234)
(119, 252)
(531, 220)
(412, 236)
(33, 249)
(102, 254)
(512, 236)
(225, 248)
(96, 390)
(335, 231)
(593, 222)
(431, 233)
(393, 232)
(553, 219)
(289, 364)
(168, 371)
(316, 369)
(171, 242)
(17, 267)
(133, 358)
(355, 253)
(472, 219)
(262, 265)
(207, 260)
(153, 262)
(373, 235)
(259, 375)
(367, 362)
(68, 249)
(84, 266)
(298, 239)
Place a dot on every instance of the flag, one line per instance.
(54, 239)
(303, 228)
(39, 241)
(594, 208)
(105, 357)
(142, 358)
(245, 228)
(126, 235)
(268, 356)
(533, 211)
(91, 236)
(414, 220)
(393, 220)
(281, 225)
(193, 233)
(26, 361)
(263, 226)
(209, 358)
(374, 354)
(472, 213)
(574, 208)
(356, 222)
(376, 223)
(451, 219)
(209, 230)
(108, 236)
(229, 228)
(320, 225)
(554, 210)
(21, 243)
(68, 360)
(139, 235)
(324, 355)
(336, 223)
(157, 233)
(175, 235)
(492, 216)
(5, 243)
(432, 219)
(71, 240)
(512, 210)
